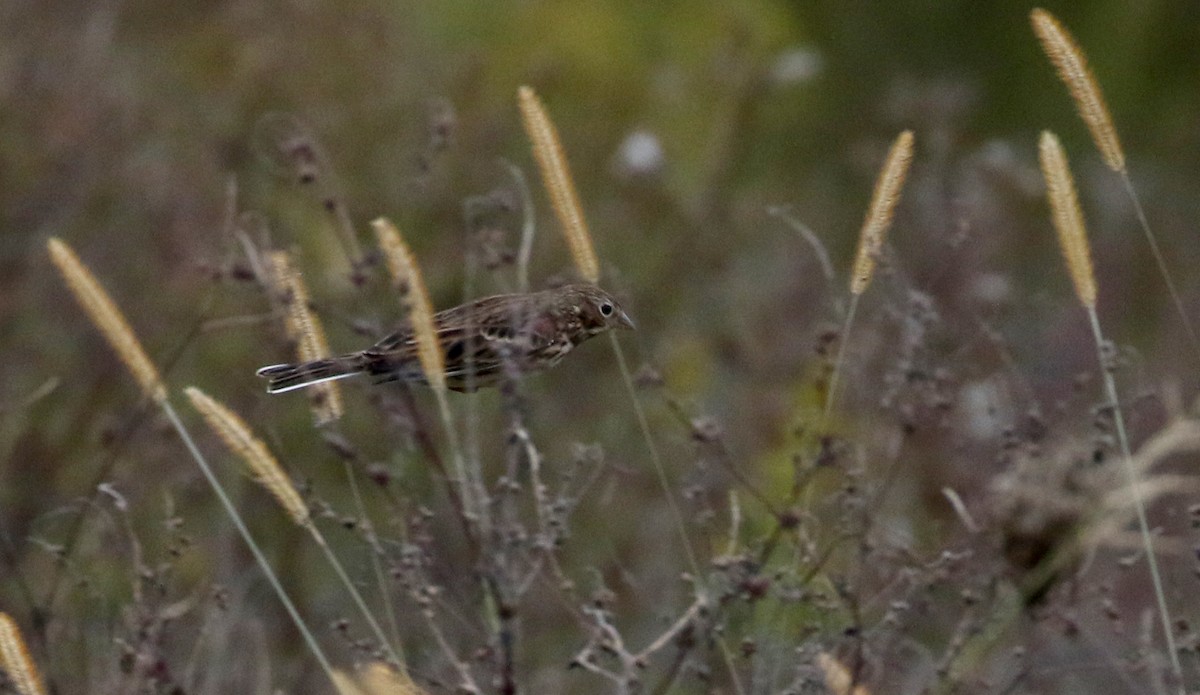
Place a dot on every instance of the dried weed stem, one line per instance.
(870, 243)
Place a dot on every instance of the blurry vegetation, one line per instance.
(136, 132)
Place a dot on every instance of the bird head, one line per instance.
(598, 311)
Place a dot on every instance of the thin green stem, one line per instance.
(1110, 386)
(1162, 263)
(477, 512)
(230, 510)
(393, 652)
(656, 460)
(831, 394)
(676, 514)
(528, 227)
(835, 377)
(472, 498)
(390, 610)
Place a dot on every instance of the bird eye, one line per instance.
(606, 309)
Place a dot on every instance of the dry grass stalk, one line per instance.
(238, 437)
(16, 661)
(407, 275)
(1067, 216)
(1072, 67)
(838, 679)
(304, 329)
(556, 175)
(881, 211)
(105, 315)
(266, 469)
(1072, 237)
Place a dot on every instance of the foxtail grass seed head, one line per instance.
(304, 328)
(881, 211)
(254, 453)
(16, 661)
(1068, 217)
(1073, 69)
(838, 679)
(556, 175)
(407, 275)
(105, 315)
(344, 683)
(377, 678)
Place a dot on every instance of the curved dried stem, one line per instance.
(240, 524)
(1135, 492)
(402, 264)
(870, 242)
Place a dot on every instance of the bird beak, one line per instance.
(623, 321)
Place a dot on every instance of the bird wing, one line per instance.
(478, 336)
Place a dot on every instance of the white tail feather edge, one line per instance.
(306, 384)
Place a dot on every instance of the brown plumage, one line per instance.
(482, 341)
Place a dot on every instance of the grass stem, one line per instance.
(1110, 387)
(261, 559)
(1161, 261)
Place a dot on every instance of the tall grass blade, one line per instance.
(1072, 237)
(1069, 60)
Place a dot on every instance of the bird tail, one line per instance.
(288, 377)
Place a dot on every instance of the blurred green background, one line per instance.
(132, 130)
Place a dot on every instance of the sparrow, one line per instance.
(483, 341)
